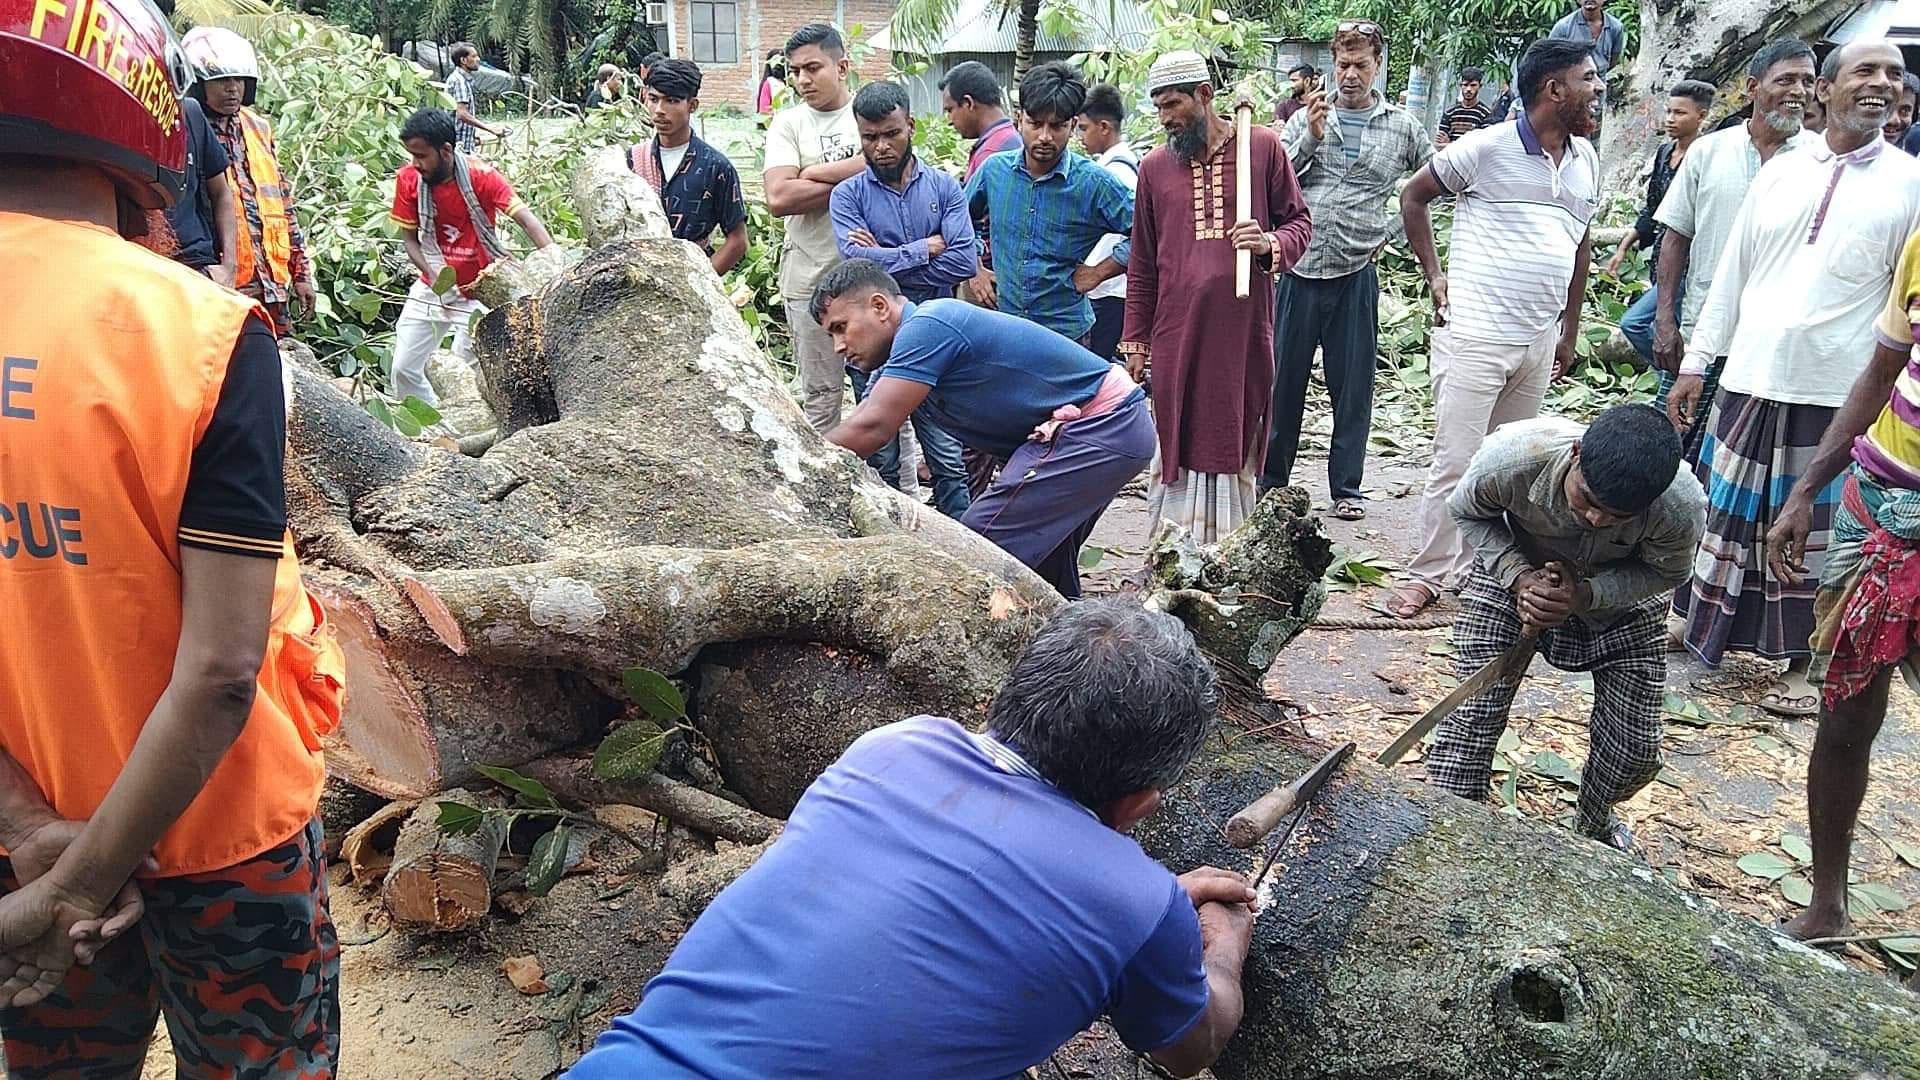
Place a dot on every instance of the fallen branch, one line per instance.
(439, 880)
(572, 781)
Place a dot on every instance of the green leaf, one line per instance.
(1549, 764)
(1769, 744)
(530, 791)
(630, 752)
(548, 861)
(1884, 897)
(1510, 791)
(405, 424)
(458, 818)
(1090, 556)
(420, 410)
(1797, 890)
(379, 411)
(1904, 946)
(1509, 741)
(654, 693)
(1764, 864)
(1904, 851)
(1801, 851)
(445, 280)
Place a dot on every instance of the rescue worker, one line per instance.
(271, 265)
(165, 679)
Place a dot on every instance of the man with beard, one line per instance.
(1687, 106)
(912, 222)
(1807, 268)
(698, 186)
(1517, 266)
(1213, 385)
(1697, 211)
(1302, 80)
(1048, 208)
(1605, 37)
(1349, 157)
(811, 147)
(445, 204)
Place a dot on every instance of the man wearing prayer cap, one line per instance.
(699, 188)
(1212, 354)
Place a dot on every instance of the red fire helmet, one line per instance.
(97, 81)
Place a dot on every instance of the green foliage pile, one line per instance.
(337, 101)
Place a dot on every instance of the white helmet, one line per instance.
(214, 52)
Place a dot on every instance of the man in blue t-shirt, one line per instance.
(1072, 428)
(951, 904)
(203, 221)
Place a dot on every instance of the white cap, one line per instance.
(1183, 67)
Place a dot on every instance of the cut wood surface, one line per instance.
(439, 881)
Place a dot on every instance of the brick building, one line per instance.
(730, 40)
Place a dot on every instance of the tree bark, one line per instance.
(1026, 33)
(439, 881)
(572, 781)
(653, 492)
(1411, 934)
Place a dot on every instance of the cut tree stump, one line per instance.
(438, 881)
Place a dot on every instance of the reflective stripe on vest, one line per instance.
(112, 359)
(270, 198)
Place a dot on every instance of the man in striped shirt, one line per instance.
(1861, 630)
(1467, 114)
(1518, 267)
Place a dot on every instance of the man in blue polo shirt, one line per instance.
(950, 904)
(913, 221)
(1072, 428)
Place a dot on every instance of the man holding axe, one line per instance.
(1217, 214)
(1578, 536)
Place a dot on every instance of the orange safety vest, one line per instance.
(111, 362)
(270, 196)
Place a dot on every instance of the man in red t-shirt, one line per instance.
(443, 234)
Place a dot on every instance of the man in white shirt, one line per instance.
(1706, 193)
(810, 148)
(1099, 124)
(1792, 307)
(1507, 305)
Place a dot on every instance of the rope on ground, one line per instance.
(1336, 622)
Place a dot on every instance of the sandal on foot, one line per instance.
(1349, 509)
(1784, 699)
(1406, 601)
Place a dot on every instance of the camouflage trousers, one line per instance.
(243, 962)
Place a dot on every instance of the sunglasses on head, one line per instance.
(1360, 26)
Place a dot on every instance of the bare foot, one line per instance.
(1812, 923)
(1792, 696)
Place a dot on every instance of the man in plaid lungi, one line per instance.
(1580, 533)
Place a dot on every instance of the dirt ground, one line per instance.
(1733, 786)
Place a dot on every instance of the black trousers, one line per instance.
(1104, 338)
(1340, 317)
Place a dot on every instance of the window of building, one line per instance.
(715, 38)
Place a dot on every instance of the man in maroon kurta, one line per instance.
(1212, 354)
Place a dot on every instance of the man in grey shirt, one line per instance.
(1580, 535)
(1604, 35)
(1330, 300)
(1706, 193)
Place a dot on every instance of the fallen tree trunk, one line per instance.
(438, 880)
(1411, 934)
(573, 782)
(652, 492)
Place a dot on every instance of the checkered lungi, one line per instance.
(1754, 452)
(1628, 660)
(1867, 612)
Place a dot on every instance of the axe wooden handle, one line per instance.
(1243, 196)
(1259, 817)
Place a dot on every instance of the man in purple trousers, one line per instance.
(1072, 427)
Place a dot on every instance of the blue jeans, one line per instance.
(1637, 323)
(940, 449)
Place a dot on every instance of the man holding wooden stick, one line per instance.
(1213, 350)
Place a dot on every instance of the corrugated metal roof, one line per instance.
(985, 26)
(1897, 20)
